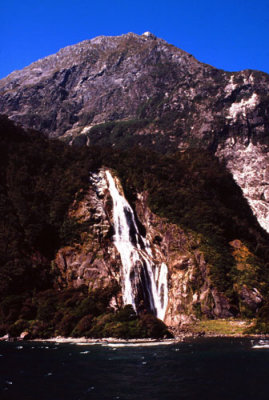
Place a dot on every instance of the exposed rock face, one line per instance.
(95, 261)
(191, 293)
(98, 80)
(185, 102)
(113, 78)
(250, 297)
(249, 165)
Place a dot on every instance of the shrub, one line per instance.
(40, 330)
(46, 309)
(28, 310)
(66, 325)
(154, 327)
(126, 314)
(10, 308)
(83, 327)
(16, 329)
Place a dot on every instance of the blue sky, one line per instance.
(229, 34)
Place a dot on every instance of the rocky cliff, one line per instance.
(149, 93)
(95, 260)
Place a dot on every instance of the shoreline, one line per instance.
(83, 341)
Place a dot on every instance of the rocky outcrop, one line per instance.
(249, 165)
(250, 297)
(94, 260)
(191, 293)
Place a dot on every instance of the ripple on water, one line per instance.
(209, 369)
(262, 344)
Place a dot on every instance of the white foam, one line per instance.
(145, 344)
(87, 344)
(262, 344)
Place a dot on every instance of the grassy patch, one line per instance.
(221, 327)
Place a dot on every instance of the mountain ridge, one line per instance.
(95, 40)
(138, 90)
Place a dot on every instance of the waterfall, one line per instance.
(142, 278)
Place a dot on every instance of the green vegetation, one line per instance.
(121, 133)
(230, 327)
(262, 323)
(125, 324)
(38, 182)
(77, 313)
(39, 179)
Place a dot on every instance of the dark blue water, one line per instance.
(219, 369)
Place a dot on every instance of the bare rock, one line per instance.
(141, 77)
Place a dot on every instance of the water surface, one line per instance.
(219, 369)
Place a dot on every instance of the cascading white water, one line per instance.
(136, 257)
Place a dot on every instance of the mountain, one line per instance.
(165, 128)
(161, 96)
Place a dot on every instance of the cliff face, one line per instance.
(249, 164)
(191, 293)
(95, 260)
(179, 102)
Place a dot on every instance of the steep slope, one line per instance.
(188, 231)
(98, 80)
(39, 289)
(147, 92)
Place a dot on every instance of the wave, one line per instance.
(262, 344)
(143, 344)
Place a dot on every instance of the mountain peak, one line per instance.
(149, 35)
